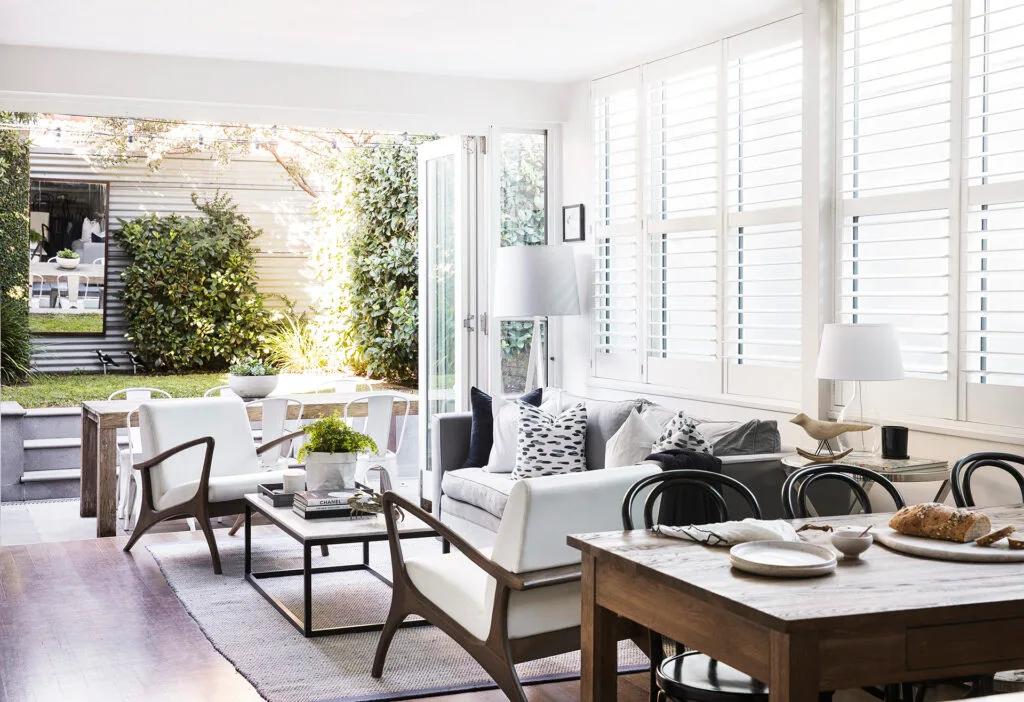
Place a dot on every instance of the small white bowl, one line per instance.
(849, 542)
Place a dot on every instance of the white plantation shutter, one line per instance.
(993, 253)
(683, 222)
(893, 254)
(616, 218)
(763, 186)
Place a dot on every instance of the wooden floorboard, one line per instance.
(82, 621)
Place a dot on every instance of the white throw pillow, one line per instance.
(506, 433)
(682, 433)
(550, 444)
(632, 443)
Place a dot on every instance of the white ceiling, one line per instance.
(544, 40)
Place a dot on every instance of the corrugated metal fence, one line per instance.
(257, 183)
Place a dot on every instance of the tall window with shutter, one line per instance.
(992, 261)
(683, 223)
(616, 226)
(763, 185)
(897, 122)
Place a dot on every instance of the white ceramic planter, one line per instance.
(330, 471)
(252, 385)
(68, 264)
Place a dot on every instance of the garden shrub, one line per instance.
(379, 301)
(190, 295)
(15, 345)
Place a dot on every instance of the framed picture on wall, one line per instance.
(573, 223)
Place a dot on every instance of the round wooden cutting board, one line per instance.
(946, 550)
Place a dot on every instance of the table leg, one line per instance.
(106, 483)
(248, 539)
(598, 648)
(943, 492)
(793, 667)
(307, 590)
(87, 500)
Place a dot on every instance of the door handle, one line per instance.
(468, 322)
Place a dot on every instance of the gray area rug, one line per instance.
(285, 666)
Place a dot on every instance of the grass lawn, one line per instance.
(91, 323)
(70, 390)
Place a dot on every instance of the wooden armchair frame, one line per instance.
(198, 506)
(497, 654)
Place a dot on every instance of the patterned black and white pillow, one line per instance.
(681, 433)
(550, 444)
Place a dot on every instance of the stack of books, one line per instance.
(321, 504)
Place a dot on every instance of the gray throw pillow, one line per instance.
(604, 418)
(743, 438)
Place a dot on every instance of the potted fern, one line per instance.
(67, 259)
(330, 453)
(252, 378)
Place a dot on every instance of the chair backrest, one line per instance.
(99, 261)
(274, 423)
(964, 470)
(542, 511)
(794, 490)
(703, 481)
(134, 432)
(220, 391)
(380, 410)
(168, 423)
(139, 393)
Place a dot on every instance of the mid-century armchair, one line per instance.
(520, 600)
(199, 461)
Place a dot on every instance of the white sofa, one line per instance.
(472, 501)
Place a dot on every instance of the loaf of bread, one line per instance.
(937, 521)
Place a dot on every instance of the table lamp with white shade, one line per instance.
(859, 353)
(537, 282)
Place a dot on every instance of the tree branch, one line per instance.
(292, 172)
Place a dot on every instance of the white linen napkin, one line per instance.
(732, 533)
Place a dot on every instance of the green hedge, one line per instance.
(190, 295)
(14, 243)
(380, 296)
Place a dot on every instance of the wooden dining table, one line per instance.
(102, 418)
(885, 618)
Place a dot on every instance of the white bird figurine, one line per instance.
(824, 432)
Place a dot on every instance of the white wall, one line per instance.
(141, 85)
(950, 443)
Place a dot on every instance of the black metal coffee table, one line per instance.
(314, 533)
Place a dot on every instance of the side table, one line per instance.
(897, 470)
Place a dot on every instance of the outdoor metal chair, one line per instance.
(127, 485)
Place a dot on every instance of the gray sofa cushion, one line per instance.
(742, 438)
(477, 487)
(463, 510)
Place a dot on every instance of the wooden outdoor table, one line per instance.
(887, 618)
(102, 418)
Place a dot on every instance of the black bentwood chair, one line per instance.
(693, 675)
(966, 467)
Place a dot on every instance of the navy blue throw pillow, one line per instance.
(481, 436)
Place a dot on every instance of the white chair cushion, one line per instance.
(222, 488)
(465, 593)
(167, 423)
(456, 585)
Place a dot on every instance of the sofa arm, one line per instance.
(449, 447)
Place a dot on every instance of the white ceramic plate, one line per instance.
(783, 559)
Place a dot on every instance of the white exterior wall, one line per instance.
(256, 183)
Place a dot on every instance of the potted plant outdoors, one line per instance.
(252, 378)
(330, 453)
(67, 259)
